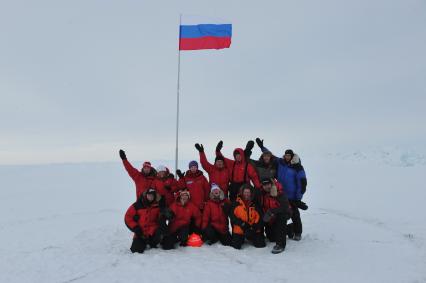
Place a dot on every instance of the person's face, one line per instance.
(146, 170)
(216, 193)
(267, 187)
(246, 194)
(150, 197)
(193, 169)
(184, 198)
(219, 164)
(238, 157)
(287, 157)
(266, 158)
(162, 174)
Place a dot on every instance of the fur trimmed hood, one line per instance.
(221, 197)
(295, 160)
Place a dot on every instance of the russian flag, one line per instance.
(203, 33)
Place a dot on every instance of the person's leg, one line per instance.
(155, 239)
(258, 240)
(169, 241)
(210, 235)
(280, 230)
(269, 231)
(237, 241)
(138, 245)
(225, 239)
(183, 234)
(297, 221)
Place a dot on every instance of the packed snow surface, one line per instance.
(366, 223)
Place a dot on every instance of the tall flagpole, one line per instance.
(177, 101)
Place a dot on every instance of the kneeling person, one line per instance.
(215, 224)
(246, 218)
(185, 218)
(143, 218)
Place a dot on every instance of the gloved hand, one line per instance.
(138, 232)
(219, 146)
(122, 154)
(268, 216)
(136, 217)
(179, 173)
(199, 147)
(300, 204)
(250, 145)
(259, 142)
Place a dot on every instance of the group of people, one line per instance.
(257, 197)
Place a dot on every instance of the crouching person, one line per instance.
(184, 219)
(246, 218)
(215, 224)
(277, 211)
(144, 220)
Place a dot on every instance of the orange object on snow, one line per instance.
(194, 240)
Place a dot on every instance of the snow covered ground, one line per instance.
(366, 223)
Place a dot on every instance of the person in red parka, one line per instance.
(215, 223)
(218, 173)
(184, 219)
(144, 219)
(277, 211)
(196, 183)
(143, 179)
(165, 184)
(240, 171)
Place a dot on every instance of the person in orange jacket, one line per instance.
(196, 183)
(143, 179)
(184, 218)
(218, 173)
(215, 224)
(246, 217)
(240, 171)
(144, 219)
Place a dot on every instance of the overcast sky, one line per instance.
(81, 79)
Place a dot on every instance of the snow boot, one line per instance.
(277, 249)
(297, 237)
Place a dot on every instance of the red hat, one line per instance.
(146, 164)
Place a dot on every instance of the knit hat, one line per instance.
(146, 164)
(193, 163)
(289, 151)
(161, 168)
(214, 187)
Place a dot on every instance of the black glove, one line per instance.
(122, 154)
(250, 145)
(300, 204)
(138, 232)
(268, 216)
(136, 217)
(199, 147)
(179, 173)
(259, 142)
(219, 146)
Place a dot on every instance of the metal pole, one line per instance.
(177, 101)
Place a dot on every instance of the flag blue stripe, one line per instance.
(194, 31)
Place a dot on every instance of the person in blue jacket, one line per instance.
(292, 176)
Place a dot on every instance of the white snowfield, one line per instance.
(366, 223)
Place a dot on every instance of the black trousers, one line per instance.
(296, 226)
(181, 235)
(139, 243)
(277, 230)
(257, 239)
(211, 236)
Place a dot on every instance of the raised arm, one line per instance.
(203, 159)
(229, 162)
(132, 171)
